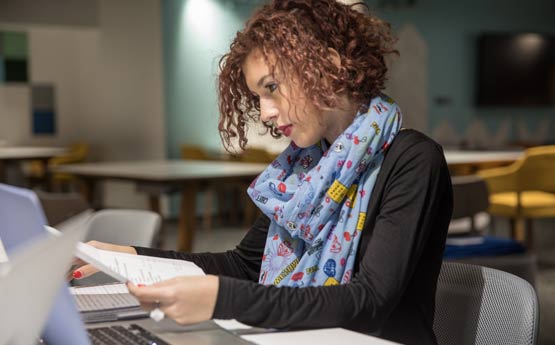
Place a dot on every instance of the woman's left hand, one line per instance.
(186, 300)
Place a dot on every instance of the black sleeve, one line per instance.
(243, 262)
(408, 210)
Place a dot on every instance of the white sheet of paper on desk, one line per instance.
(138, 269)
(327, 336)
(231, 324)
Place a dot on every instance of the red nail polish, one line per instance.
(77, 274)
(141, 285)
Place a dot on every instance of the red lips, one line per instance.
(286, 130)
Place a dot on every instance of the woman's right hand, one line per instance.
(80, 269)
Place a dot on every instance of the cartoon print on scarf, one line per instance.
(317, 197)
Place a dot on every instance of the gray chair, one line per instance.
(484, 306)
(122, 227)
(470, 203)
(59, 207)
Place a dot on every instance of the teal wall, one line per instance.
(197, 32)
(450, 29)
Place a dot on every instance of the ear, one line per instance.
(334, 57)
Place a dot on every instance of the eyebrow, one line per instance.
(261, 80)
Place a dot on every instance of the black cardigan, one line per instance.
(392, 293)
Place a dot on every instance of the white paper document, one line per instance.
(231, 325)
(138, 269)
(327, 336)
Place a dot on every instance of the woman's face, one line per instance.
(283, 104)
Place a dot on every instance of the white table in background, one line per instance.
(13, 155)
(468, 162)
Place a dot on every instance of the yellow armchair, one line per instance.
(77, 153)
(37, 171)
(524, 190)
(194, 152)
(256, 155)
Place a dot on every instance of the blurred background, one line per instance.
(135, 80)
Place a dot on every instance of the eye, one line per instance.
(271, 86)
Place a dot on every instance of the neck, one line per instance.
(339, 120)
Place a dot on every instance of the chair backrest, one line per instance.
(78, 153)
(59, 207)
(194, 152)
(470, 196)
(470, 203)
(124, 227)
(537, 169)
(479, 305)
(256, 155)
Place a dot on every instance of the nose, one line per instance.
(268, 110)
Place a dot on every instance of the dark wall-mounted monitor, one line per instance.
(516, 69)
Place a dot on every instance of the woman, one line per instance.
(356, 210)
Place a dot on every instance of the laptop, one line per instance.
(22, 225)
(22, 222)
(30, 281)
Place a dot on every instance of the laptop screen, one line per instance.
(22, 221)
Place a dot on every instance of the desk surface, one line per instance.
(210, 333)
(163, 170)
(204, 333)
(29, 152)
(473, 157)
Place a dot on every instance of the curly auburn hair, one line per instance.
(299, 34)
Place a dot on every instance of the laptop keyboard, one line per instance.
(120, 335)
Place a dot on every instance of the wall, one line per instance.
(450, 29)
(74, 13)
(196, 34)
(108, 81)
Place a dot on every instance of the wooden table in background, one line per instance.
(159, 177)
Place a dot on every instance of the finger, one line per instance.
(84, 271)
(77, 262)
(149, 306)
(170, 310)
(149, 294)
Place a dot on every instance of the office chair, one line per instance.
(483, 306)
(122, 227)
(524, 190)
(470, 218)
(470, 205)
(59, 207)
(36, 171)
(256, 155)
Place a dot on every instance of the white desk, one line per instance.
(209, 333)
(204, 333)
(158, 177)
(29, 152)
(11, 155)
(468, 162)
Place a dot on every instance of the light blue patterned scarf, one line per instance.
(317, 199)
